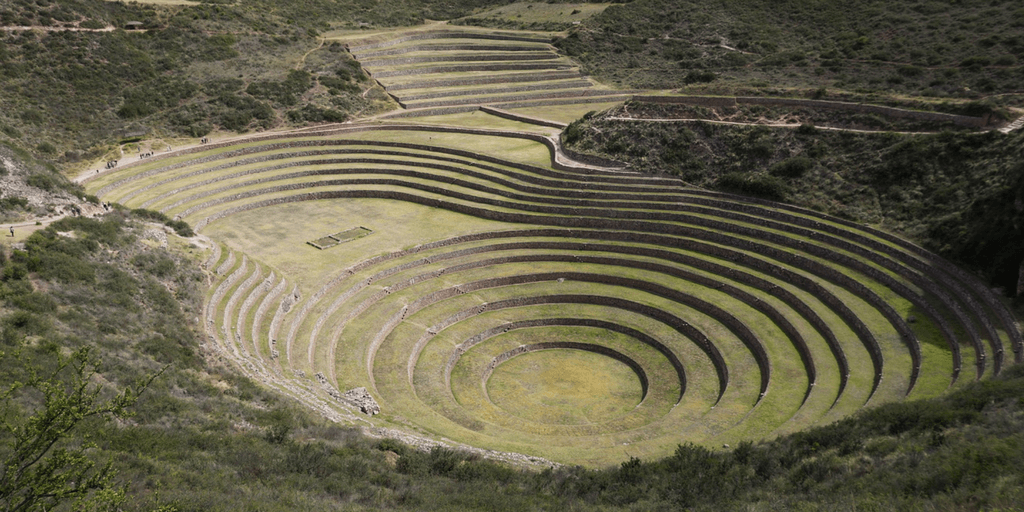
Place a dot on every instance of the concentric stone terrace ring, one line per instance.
(504, 299)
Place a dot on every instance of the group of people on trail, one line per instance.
(204, 140)
(111, 164)
(145, 155)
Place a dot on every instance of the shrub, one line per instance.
(752, 184)
(806, 129)
(19, 324)
(792, 168)
(314, 114)
(240, 111)
(10, 131)
(220, 86)
(157, 264)
(694, 77)
(13, 203)
(975, 62)
(393, 445)
(217, 47)
(336, 86)
(42, 182)
(285, 92)
(179, 226)
(573, 133)
(35, 302)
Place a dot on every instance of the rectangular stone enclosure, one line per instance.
(340, 237)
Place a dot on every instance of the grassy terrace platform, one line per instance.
(459, 66)
(578, 313)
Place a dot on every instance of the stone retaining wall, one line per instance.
(567, 322)
(476, 57)
(443, 34)
(574, 84)
(218, 295)
(430, 112)
(718, 226)
(705, 101)
(243, 311)
(445, 129)
(577, 246)
(513, 98)
(928, 260)
(465, 68)
(228, 263)
(448, 48)
(577, 101)
(512, 116)
(821, 270)
(484, 80)
(261, 311)
(229, 308)
(214, 256)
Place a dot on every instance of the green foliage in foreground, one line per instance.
(203, 438)
(953, 192)
(43, 461)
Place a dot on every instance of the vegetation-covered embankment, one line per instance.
(954, 193)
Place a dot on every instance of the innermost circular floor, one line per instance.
(565, 387)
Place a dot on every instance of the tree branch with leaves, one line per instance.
(44, 456)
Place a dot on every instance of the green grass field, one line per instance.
(705, 318)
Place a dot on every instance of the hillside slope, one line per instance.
(956, 193)
(923, 48)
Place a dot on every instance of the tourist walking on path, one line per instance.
(12, 231)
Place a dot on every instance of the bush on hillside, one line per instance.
(754, 184)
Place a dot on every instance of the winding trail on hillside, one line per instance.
(24, 28)
(773, 125)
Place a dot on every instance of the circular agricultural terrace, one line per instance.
(484, 293)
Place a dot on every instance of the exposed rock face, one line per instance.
(356, 397)
(42, 204)
(361, 398)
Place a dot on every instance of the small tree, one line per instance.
(44, 459)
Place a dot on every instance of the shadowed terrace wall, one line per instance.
(823, 271)
(503, 90)
(719, 226)
(734, 274)
(475, 57)
(484, 80)
(511, 66)
(442, 34)
(446, 48)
